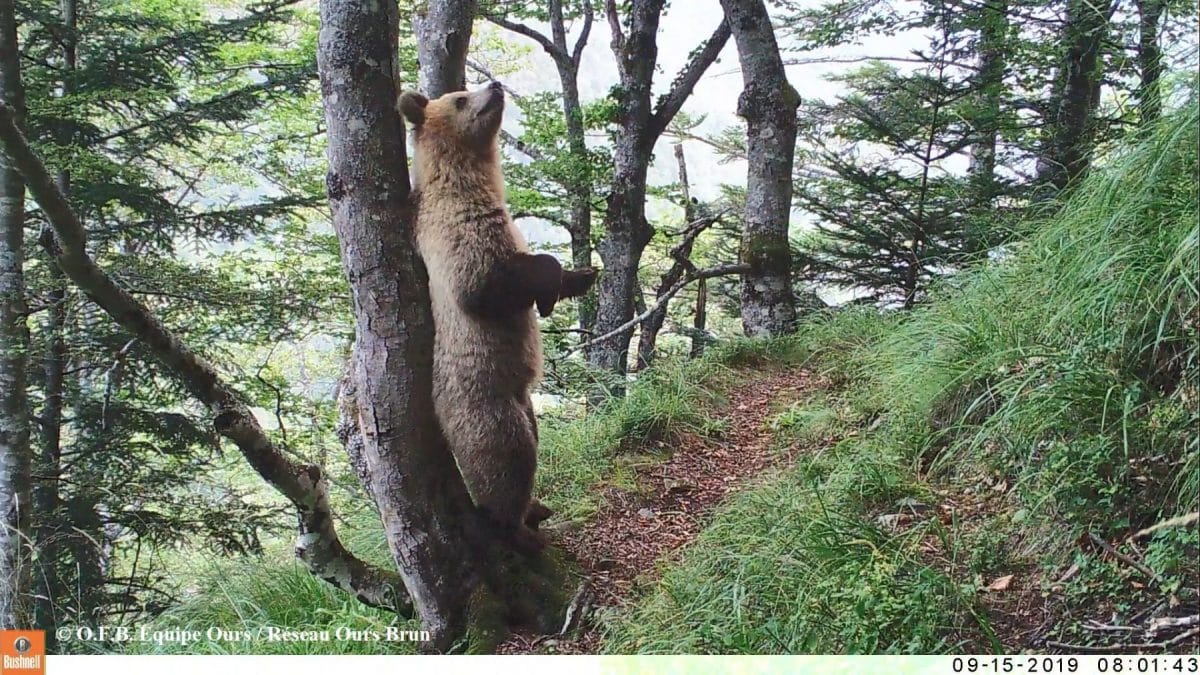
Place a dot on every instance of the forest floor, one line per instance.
(636, 530)
(642, 529)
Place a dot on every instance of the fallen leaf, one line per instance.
(1001, 584)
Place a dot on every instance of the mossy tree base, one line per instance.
(519, 592)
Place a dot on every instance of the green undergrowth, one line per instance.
(254, 599)
(1055, 389)
(580, 454)
(1045, 397)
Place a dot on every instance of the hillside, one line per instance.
(1011, 467)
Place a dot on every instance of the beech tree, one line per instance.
(640, 123)
(1150, 61)
(1075, 97)
(768, 104)
(446, 553)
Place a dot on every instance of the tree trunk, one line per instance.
(989, 87)
(1149, 92)
(413, 479)
(1067, 151)
(86, 542)
(15, 452)
(768, 104)
(49, 529)
(699, 324)
(15, 455)
(621, 252)
(625, 213)
(581, 257)
(443, 32)
(641, 124)
(49, 514)
(567, 63)
(451, 563)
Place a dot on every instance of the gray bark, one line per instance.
(443, 30)
(768, 104)
(450, 559)
(641, 124)
(1067, 150)
(581, 189)
(422, 500)
(1150, 66)
(15, 453)
(318, 546)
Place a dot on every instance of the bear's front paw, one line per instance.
(577, 282)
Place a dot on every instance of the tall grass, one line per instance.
(1072, 367)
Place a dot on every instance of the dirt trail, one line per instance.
(635, 529)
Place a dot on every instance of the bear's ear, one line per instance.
(412, 106)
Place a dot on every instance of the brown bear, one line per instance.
(484, 284)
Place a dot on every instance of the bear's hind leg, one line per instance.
(526, 541)
(537, 513)
(517, 534)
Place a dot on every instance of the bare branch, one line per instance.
(577, 52)
(519, 215)
(707, 273)
(553, 50)
(520, 145)
(1123, 647)
(614, 26)
(669, 105)
(487, 74)
(1179, 521)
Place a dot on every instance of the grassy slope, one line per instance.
(1043, 372)
(578, 455)
(1041, 398)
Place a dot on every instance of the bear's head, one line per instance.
(455, 132)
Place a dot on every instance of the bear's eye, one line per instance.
(460, 102)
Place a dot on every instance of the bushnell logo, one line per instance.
(22, 652)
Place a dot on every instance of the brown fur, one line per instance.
(483, 284)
